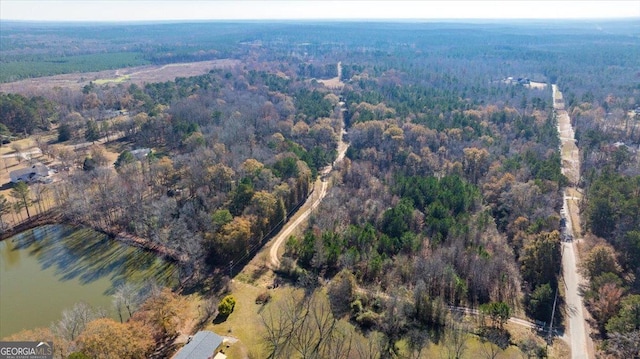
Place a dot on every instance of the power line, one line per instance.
(259, 244)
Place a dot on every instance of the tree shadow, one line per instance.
(498, 336)
(219, 319)
(86, 255)
(166, 348)
(6, 186)
(258, 273)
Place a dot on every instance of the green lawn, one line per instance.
(244, 323)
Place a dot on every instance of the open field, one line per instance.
(130, 75)
(245, 324)
(117, 80)
(334, 83)
(537, 85)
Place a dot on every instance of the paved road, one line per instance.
(580, 342)
(577, 328)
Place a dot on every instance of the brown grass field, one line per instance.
(130, 75)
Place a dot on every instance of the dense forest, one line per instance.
(450, 192)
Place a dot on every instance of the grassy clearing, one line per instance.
(117, 80)
(474, 348)
(244, 323)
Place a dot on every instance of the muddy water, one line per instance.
(47, 269)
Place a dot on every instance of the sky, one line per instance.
(149, 10)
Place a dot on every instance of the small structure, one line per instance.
(517, 81)
(37, 172)
(203, 345)
(141, 153)
(111, 113)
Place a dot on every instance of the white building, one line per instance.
(141, 153)
(30, 174)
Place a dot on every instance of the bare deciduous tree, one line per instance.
(74, 320)
(126, 297)
(624, 345)
(304, 326)
(494, 341)
(455, 340)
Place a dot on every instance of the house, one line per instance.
(111, 113)
(203, 345)
(517, 81)
(141, 153)
(37, 172)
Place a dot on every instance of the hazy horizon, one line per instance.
(179, 11)
(345, 20)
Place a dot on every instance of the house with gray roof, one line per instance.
(37, 172)
(140, 153)
(203, 345)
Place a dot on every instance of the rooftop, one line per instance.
(202, 346)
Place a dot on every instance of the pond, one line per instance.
(49, 268)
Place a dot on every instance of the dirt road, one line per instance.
(569, 149)
(578, 331)
(26, 154)
(320, 191)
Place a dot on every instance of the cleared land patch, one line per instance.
(116, 80)
(136, 75)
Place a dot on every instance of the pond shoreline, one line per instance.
(54, 217)
(48, 269)
(48, 217)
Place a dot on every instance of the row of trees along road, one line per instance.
(450, 191)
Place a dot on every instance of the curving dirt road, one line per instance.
(578, 331)
(319, 192)
(320, 187)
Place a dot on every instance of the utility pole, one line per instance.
(231, 270)
(553, 312)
